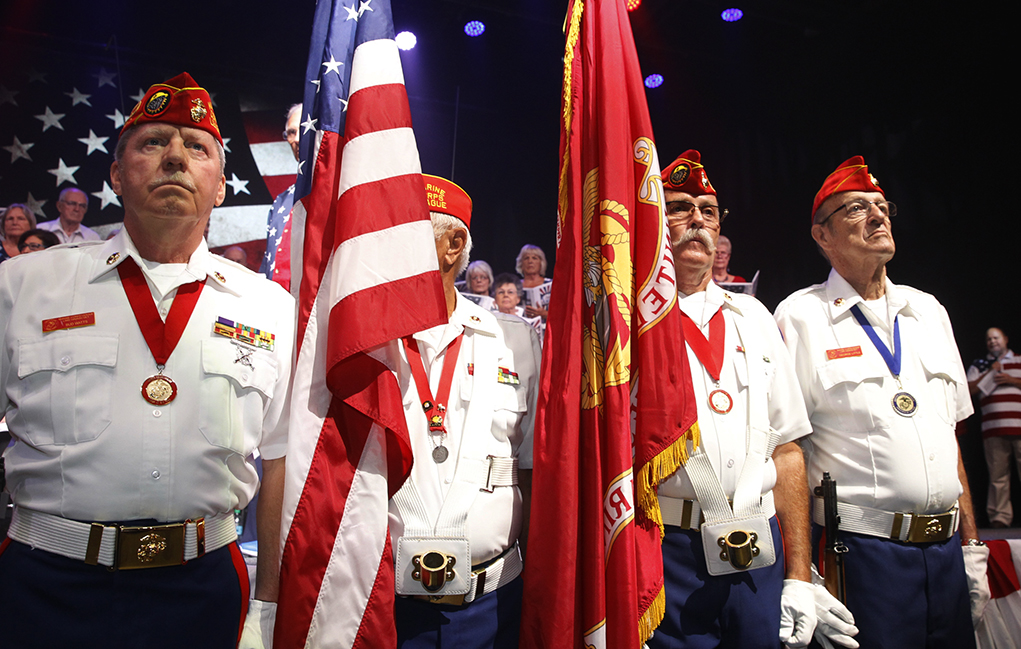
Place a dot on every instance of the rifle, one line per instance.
(835, 551)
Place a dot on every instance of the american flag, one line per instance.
(61, 117)
(368, 275)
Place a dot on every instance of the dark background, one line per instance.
(774, 102)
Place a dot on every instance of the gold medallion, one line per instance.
(720, 402)
(904, 404)
(159, 390)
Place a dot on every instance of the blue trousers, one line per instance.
(906, 594)
(490, 622)
(51, 601)
(738, 611)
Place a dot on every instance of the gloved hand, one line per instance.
(975, 559)
(797, 613)
(835, 623)
(258, 632)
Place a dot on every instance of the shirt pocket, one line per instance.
(941, 388)
(65, 387)
(852, 390)
(234, 395)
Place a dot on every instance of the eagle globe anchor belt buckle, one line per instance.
(433, 569)
(739, 547)
(148, 546)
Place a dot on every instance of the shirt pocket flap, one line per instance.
(65, 352)
(848, 370)
(224, 358)
(939, 365)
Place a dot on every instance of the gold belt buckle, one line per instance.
(928, 528)
(150, 546)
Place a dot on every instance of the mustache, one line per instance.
(176, 178)
(692, 234)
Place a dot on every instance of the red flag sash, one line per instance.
(434, 407)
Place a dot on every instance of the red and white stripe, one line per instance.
(369, 275)
(1001, 409)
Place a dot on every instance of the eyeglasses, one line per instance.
(76, 205)
(289, 133)
(711, 213)
(859, 209)
(32, 246)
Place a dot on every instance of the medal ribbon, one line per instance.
(892, 360)
(709, 352)
(161, 337)
(438, 405)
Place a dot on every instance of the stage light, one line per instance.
(654, 81)
(406, 40)
(474, 28)
(633, 4)
(732, 15)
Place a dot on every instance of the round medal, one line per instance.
(159, 390)
(720, 402)
(440, 454)
(904, 404)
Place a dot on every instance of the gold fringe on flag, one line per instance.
(652, 616)
(659, 469)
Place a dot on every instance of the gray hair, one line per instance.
(68, 190)
(443, 223)
(530, 248)
(480, 266)
(295, 108)
(29, 214)
(122, 145)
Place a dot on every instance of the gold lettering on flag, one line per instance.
(618, 507)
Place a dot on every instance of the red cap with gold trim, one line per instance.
(448, 198)
(851, 176)
(686, 174)
(177, 101)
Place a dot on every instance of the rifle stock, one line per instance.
(835, 551)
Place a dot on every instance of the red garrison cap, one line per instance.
(686, 174)
(448, 198)
(177, 101)
(851, 176)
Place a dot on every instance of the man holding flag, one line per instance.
(733, 578)
(469, 389)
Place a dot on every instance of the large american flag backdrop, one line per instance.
(61, 117)
(367, 275)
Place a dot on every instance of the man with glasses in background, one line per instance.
(72, 205)
(884, 387)
(276, 263)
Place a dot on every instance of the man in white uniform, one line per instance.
(469, 389)
(750, 417)
(884, 387)
(137, 375)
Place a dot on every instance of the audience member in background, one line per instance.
(236, 254)
(721, 263)
(276, 263)
(72, 205)
(35, 240)
(531, 265)
(998, 378)
(17, 220)
(507, 297)
(478, 283)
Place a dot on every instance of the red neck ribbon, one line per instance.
(709, 352)
(162, 337)
(434, 408)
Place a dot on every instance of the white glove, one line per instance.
(835, 623)
(797, 613)
(259, 625)
(975, 559)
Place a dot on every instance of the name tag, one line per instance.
(69, 322)
(843, 352)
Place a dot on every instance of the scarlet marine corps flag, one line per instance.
(367, 274)
(615, 408)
